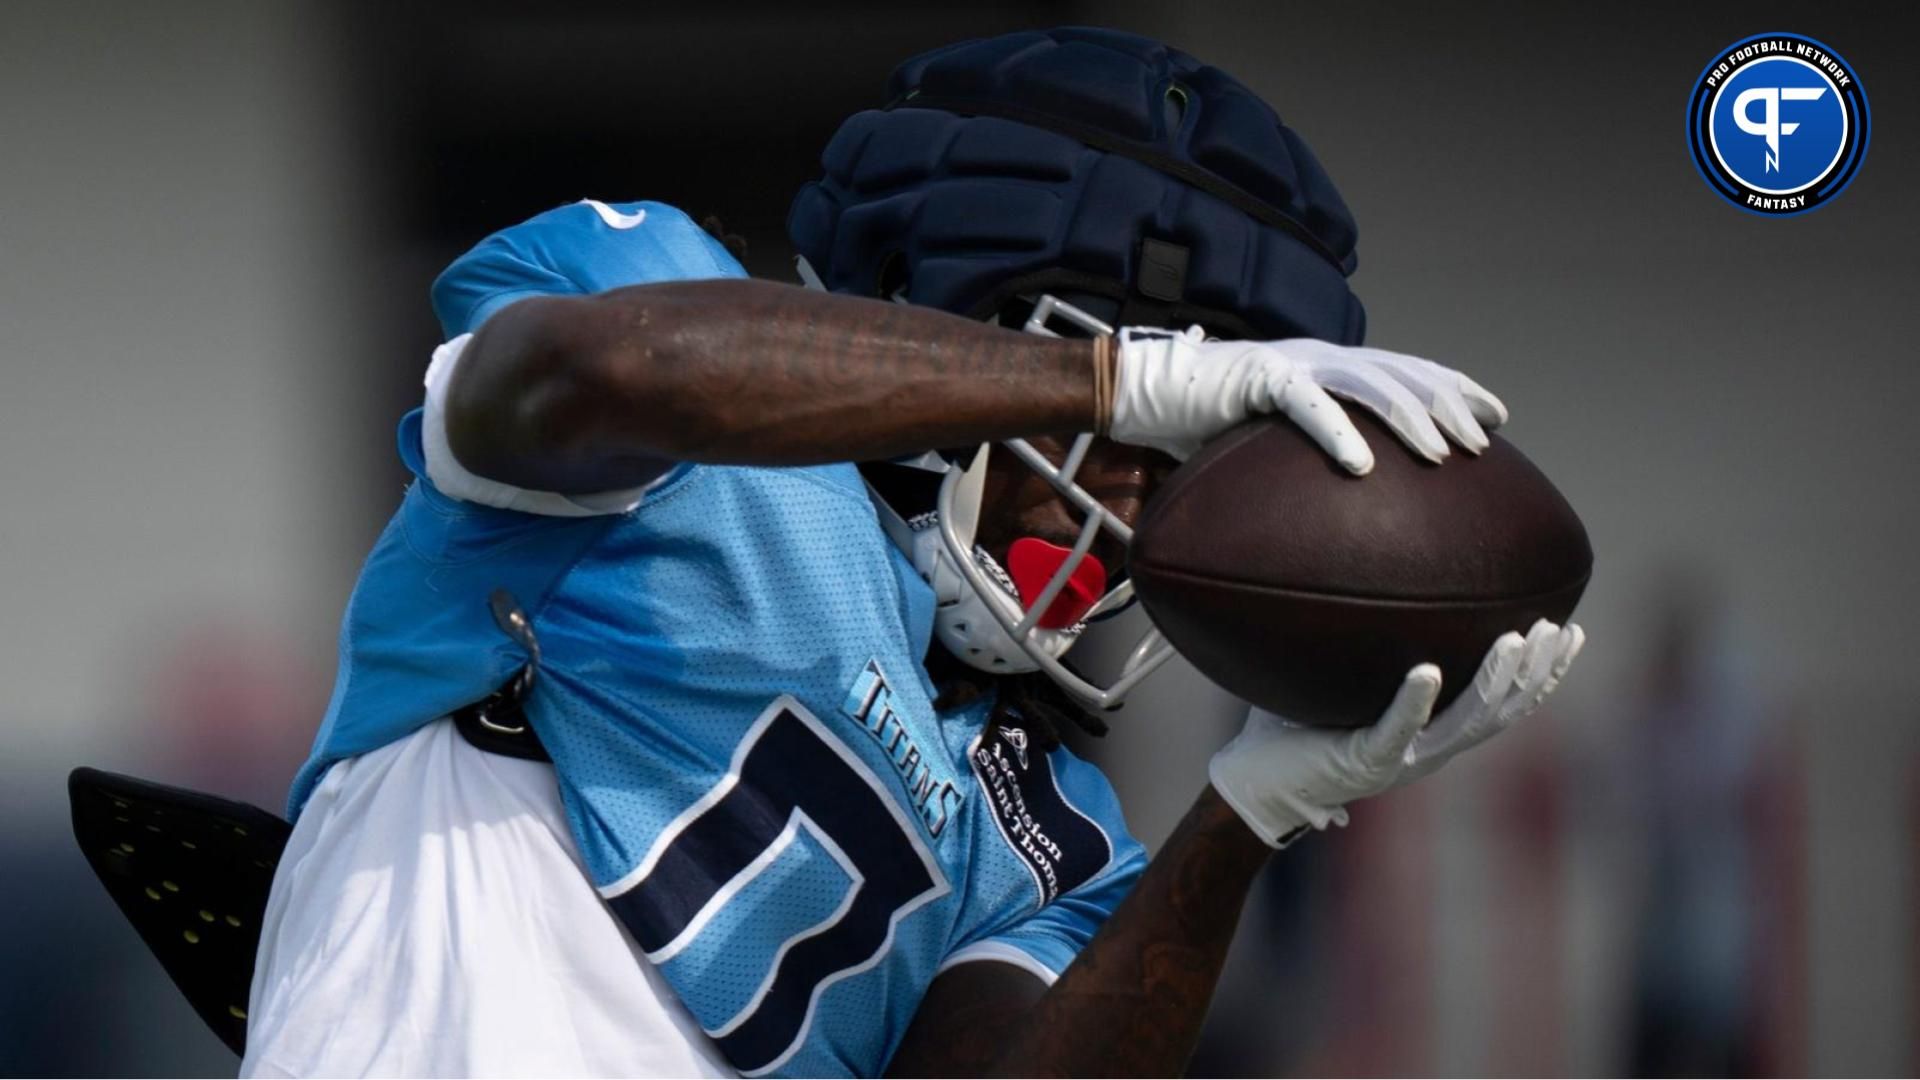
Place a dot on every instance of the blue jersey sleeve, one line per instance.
(1046, 941)
(584, 247)
(417, 640)
(1049, 940)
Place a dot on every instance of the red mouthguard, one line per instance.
(1032, 562)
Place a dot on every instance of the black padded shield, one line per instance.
(191, 872)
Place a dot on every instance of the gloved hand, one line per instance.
(1174, 391)
(1283, 778)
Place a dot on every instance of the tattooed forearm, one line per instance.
(578, 394)
(1133, 1003)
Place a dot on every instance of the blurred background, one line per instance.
(218, 221)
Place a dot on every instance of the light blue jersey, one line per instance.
(733, 693)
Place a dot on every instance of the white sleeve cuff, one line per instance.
(1003, 952)
(455, 481)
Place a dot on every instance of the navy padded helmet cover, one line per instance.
(1062, 150)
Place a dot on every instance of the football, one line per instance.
(1311, 592)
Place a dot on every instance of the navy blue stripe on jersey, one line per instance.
(1061, 847)
(789, 774)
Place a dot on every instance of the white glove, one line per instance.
(1281, 777)
(1175, 391)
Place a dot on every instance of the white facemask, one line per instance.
(980, 616)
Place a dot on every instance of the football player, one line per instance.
(762, 776)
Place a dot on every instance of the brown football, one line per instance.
(1311, 592)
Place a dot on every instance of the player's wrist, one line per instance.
(1130, 357)
(1159, 399)
(1230, 833)
(1105, 360)
(1250, 822)
(1249, 792)
(1278, 779)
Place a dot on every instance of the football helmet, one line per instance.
(1067, 181)
(1023, 617)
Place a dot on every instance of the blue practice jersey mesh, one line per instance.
(733, 694)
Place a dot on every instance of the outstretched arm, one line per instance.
(1133, 1002)
(604, 392)
(580, 394)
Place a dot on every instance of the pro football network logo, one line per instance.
(1778, 124)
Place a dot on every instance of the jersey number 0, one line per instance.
(788, 774)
